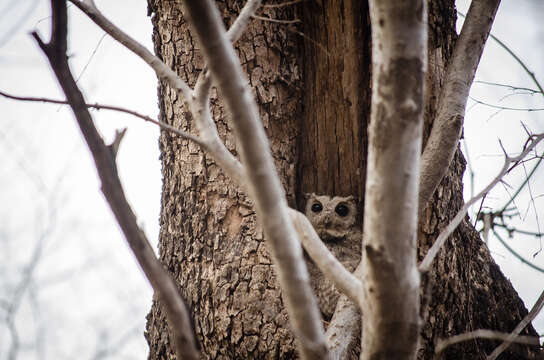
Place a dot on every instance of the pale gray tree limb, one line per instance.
(446, 130)
(345, 326)
(177, 312)
(391, 282)
(263, 182)
(344, 281)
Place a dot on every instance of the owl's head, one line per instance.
(332, 217)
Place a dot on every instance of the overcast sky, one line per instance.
(85, 281)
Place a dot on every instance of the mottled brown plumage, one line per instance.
(335, 221)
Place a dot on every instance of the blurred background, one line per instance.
(69, 286)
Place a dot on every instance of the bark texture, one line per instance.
(336, 98)
(314, 104)
(209, 237)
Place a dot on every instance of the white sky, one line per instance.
(86, 282)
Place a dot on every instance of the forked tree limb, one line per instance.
(176, 310)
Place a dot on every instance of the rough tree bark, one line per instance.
(209, 236)
(313, 92)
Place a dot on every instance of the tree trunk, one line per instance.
(312, 85)
(209, 236)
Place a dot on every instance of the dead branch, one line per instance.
(344, 281)
(97, 106)
(176, 310)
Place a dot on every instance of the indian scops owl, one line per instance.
(335, 221)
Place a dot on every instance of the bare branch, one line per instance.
(97, 106)
(537, 307)
(504, 107)
(263, 18)
(433, 251)
(511, 87)
(345, 326)
(511, 230)
(518, 60)
(176, 310)
(201, 105)
(161, 69)
(444, 137)
(240, 24)
(344, 281)
(518, 256)
(483, 334)
(264, 185)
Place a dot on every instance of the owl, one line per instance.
(335, 221)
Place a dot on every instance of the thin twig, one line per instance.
(537, 307)
(98, 106)
(512, 87)
(514, 230)
(482, 334)
(264, 18)
(540, 90)
(433, 251)
(504, 107)
(518, 256)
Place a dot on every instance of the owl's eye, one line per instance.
(317, 207)
(341, 210)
